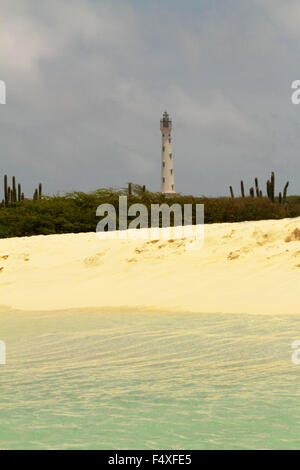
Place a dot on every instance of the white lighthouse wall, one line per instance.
(167, 169)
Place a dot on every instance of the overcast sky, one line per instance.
(88, 80)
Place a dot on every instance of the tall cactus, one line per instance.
(269, 189)
(257, 188)
(242, 188)
(5, 192)
(14, 192)
(273, 186)
(35, 195)
(9, 196)
(285, 191)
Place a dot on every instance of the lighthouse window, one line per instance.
(164, 179)
(171, 172)
(169, 140)
(163, 149)
(172, 186)
(170, 155)
(164, 164)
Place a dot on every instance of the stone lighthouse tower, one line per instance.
(167, 169)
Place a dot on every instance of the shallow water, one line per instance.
(108, 380)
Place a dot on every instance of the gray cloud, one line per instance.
(88, 80)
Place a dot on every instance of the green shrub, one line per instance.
(76, 212)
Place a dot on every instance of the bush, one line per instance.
(76, 212)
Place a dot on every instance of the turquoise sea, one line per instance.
(123, 380)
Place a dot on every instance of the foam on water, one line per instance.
(116, 380)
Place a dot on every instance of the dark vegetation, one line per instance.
(14, 194)
(270, 190)
(76, 212)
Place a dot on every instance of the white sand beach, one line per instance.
(248, 267)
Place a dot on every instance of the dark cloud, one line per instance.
(88, 80)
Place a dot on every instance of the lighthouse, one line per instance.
(167, 168)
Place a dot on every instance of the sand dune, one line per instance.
(248, 267)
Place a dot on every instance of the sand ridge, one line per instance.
(247, 267)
